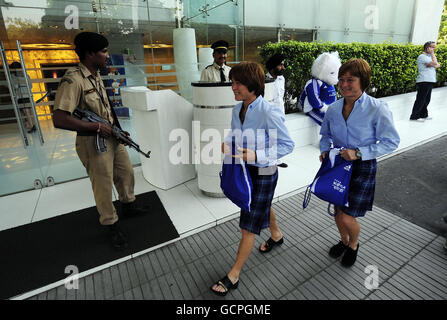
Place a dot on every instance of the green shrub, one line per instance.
(394, 67)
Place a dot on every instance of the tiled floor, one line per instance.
(299, 269)
(192, 212)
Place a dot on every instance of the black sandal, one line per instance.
(226, 284)
(270, 243)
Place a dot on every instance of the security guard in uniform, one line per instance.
(82, 87)
(218, 71)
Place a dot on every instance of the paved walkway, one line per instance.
(410, 261)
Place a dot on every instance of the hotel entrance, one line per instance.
(141, 47)
(33, 153)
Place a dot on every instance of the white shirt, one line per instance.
(278, 96)
(212, 73)
(425, 74)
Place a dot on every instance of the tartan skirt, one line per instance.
(261, 200)
(361, 188)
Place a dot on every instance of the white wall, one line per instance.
(427, 18)
(371, 21)
(271, 13)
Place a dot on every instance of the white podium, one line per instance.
(163, 125)
(213, 104)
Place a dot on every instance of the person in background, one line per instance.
(427, 65)
(275, 66)
(218, 71)
(262, 123)
(364, 126)
(18, 81)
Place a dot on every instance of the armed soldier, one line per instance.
(82, 88)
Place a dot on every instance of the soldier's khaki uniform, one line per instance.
(110, 167)
(212, 73)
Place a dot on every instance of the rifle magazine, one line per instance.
(100, 144)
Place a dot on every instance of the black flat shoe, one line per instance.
(283, 165)
(225, 283)
(337, 250)
(349, 257)
(270, 244)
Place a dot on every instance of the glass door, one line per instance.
(20, 167)
(140, 34)
(43, 155)
(33, 153)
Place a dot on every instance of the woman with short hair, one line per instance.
(261, 138)
(364, 127)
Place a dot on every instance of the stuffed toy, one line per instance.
(319, 91)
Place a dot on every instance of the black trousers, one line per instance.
(422, 100)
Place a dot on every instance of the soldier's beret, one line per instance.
(90, 41)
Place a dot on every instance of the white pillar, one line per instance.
(426, 21)
(185, 58)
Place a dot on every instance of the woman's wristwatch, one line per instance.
(358, 153)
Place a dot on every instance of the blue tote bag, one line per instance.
(331, 182)
(235, 181)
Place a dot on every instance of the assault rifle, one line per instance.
(100, 142)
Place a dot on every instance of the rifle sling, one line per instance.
(115, 118)
(85, 133)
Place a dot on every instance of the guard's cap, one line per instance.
(90, 41)
(220, 45)
(274, 61)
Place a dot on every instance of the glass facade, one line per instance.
(140, 33)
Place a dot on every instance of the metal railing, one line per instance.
(163, 82)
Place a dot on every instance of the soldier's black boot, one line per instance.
(117, 236)
(132, 209)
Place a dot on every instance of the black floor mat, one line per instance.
(37, 254)
(413, 185)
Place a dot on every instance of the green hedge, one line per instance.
(394, 67)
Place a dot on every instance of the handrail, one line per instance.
(13, 96)
(30, 94)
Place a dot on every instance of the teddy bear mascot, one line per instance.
(319, 91)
